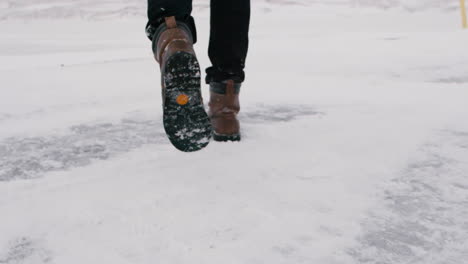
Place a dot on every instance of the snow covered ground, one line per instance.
(355, 142)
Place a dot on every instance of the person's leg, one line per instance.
(228, 40)
(172, 32)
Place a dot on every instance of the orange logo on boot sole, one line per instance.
(182, 99)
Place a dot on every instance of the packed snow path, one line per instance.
(355, 144)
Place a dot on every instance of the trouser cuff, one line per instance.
(219, 75)
(154, 28)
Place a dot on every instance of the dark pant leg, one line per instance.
(159, 9)
(228, 40)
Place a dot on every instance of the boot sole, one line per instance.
(226, 138)
(185, 120)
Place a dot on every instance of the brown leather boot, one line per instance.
(185, 120)
(224, 107)
(169, 39)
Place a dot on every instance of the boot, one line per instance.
(224, 107)
(185, 120)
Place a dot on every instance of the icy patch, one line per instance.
(4, 116)
(26, 158)
(277, 113)
(29, 158)
(453, 80)
(24, 250)
(411, 5)
(424, 218)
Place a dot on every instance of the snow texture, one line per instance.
(355, 140)
(106, 9)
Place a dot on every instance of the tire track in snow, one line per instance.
(29, 158)
(424, 218)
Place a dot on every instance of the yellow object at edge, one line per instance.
(463, 10)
